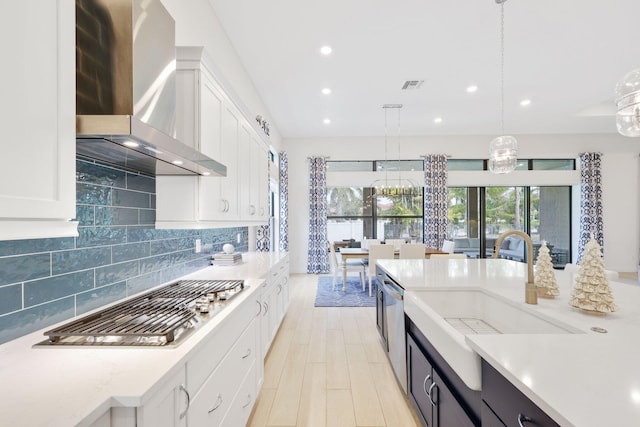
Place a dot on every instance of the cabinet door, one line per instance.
(244, 172)
(168, 406)
(449, 412)
(420, 380)
(38, 109)
(229, 156)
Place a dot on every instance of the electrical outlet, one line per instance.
(198, 246)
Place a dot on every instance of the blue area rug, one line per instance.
(354, 297)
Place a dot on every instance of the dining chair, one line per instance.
(395, 243)
(367, 242)
(353, 265)
(412, 251)
(460, 256)
(377, 252)
(448, 246)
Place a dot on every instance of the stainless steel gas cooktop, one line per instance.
(160, 317)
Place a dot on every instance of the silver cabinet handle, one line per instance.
(424, 384)
(279, 289)
(429, 393)
(184, 389)
(266, 308)
(226, 205)
(252, 210)
(217, 404)
(247, 354)
(259, 308)
(248, 401)
(523, 419)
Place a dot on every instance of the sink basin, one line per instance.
(447, 316)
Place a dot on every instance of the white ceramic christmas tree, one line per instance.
(591, 290)
(545, 279)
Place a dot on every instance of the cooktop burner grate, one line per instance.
(153, 319)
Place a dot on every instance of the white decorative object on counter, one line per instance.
(545, 278)
(228, 248)
(591, 290)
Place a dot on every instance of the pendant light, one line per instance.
(628, 104)
(503, 150)
(395, 187)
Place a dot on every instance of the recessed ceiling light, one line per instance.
(437, 120)
(131, 144)
(525, 102)
(326, 121)
(472, 88)
(177, 162)
(326, 50)
(326, 91)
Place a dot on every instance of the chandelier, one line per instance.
(503, 150)
(395, 187)
(628, 104)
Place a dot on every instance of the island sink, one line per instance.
(446, 316)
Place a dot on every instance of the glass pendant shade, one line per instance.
(628, 104)
(503, 154)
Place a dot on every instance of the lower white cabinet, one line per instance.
(168, 406)
(216, 398)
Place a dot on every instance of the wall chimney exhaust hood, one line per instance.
(126, 90)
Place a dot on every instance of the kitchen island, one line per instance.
(80, 386)
(584, 378)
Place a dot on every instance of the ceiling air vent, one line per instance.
(412, 84)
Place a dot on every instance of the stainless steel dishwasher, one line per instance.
(393, 312)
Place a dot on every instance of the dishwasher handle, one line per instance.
(390, 289)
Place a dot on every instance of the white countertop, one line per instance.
(55, 386)
(588, 379)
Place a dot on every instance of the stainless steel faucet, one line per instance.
(530, 291)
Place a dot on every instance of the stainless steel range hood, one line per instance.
(126, 90)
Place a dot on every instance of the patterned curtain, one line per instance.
(436, 201)
(590, 201)
(263, 232)
(284, 201)
(317, 259)
(263, 238)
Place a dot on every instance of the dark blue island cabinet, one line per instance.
(436, 391)
(505, 406)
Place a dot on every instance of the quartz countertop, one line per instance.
(55, 386)
(585, 379)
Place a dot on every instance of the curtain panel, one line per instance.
(436, 200)
(317, 257)
(283, 163)
(263, 232)
(591, 221)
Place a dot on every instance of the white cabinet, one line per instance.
(254, 182)
(37, 178)
(210, 122)
(275, 301)
(168, 406)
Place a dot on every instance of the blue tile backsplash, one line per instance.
(118, 253)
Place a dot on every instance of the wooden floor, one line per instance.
(326, 367)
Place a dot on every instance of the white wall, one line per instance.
(621, 180)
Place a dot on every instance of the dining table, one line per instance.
(363, 253)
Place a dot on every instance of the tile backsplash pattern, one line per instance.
(118, 253)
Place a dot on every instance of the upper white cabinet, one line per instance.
(37, 178)
(209, 121)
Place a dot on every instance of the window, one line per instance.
(478, 215)
(357, 212)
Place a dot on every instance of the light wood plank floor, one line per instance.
(326, 367)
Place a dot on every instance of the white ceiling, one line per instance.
(564, 55)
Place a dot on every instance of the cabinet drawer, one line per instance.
(509, 403)
(215, 346)
(213, 401)
(243, 402)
